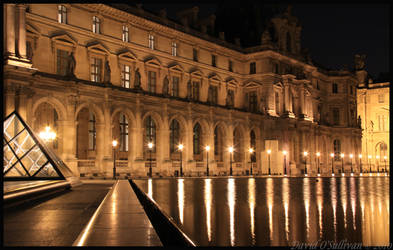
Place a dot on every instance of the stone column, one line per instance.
(22, 31)
(302, 101)
(100, 148)
(10, 29)
(69, 149)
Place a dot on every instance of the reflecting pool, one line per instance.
(276, 211)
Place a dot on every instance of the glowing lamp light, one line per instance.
(230, 149)
(351, 156)
(305, 153)
(318, 154)
(342, 155)
(377, 156)
(385, 157)
(251, 150)
(114, 143)
(207, 148)
(332, 155)
(47, 135)
(269, 151)
(150, 145)
(284, 152)
(319, 174)
(180, 147)
(360, 156)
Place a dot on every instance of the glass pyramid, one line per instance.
(25, 155)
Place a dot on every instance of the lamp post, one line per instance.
(377, 163)
(114, 144)
(332, 156)
(268, 156)
(369, 162)
(318, 154)
(251, 150)
(181, 158)
(361, 168)
(351, 156)
(285, 162)
(207, 160)
(342, 164)
(384, 159)
(150, 145)
(230, 149)
(305, 153)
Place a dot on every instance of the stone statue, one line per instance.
(137, 81)
(360, 62)
(165, 86)
(71, 63)
(359, 122)
(189, 90)
(107, 73)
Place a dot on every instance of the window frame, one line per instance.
(253, 102)
(62, 14)
(124, 73)
(124, 133)
(96, 25)
(151, 41)
(92, 132)
(151, 87)
(195, 54)
(125, 34)
(334, 88)
(253, 68)
(196, 139)
(174, 48)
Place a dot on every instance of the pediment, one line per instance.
(279, 84)
(196, 72)
(152, 61)
(127, 55)
(252, 84)
(64, 38)
(214, 77)
(98, 47)
(175, 67)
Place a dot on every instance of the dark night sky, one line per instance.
(334, 33)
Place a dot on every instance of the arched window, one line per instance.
(337, 149)
(92, 132)
(197, 139)
(150, 127)
(253, 145)
(289, 47)
(174, 135)
(123, 133)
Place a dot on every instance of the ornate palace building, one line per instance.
(96, 72)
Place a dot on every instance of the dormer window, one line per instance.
(62, 14)
(96, 25)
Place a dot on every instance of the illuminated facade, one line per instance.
(96, 72)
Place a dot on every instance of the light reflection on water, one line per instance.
(276, 211)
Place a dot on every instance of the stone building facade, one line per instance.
(96, 72)
(373, 109)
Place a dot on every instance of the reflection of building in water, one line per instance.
(373, 109)
(101, 71)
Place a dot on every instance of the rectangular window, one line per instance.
(174, 49)
(125, 76)
(253, 68)
(195, 91)
(381, 122)
(213, 94)
(92, 132)
(336, 116)
(123, 134)
(62, 14)
(381, 98)
(175, 86)
(125, 36)
(334, 88)
(151, 81)
(213, 60)
(96, 68)
(195, 55)
(96, 25)
(62, 62)
(351, 89)
(230, 99)
(151, 41)
(253, 101)
(230, 66)
(277, 99)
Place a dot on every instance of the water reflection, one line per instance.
(276, 211)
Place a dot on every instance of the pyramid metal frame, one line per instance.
(47, 152)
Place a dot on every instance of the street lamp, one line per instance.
(181, 160)
(268, 155)
(332, 156)
(351, 156)
(251, 150)
(342, 164)
(207, 160)
(150, 145)
(114, 144)
(230, 149)
(377, 162)
(47, 135)
(361, 168)
(318, 154)
(369, 162)
(305, 153)
(285, 162)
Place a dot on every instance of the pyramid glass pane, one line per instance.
(17, 171)
(12, 126)
(22, 143)
(47, 171)
(8, 158)
(34, 160)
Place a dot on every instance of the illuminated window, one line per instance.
(125, 76)
(62, 14)
(92, 132)
(96, 25)
(174, 49)
(151, 81)
(96, 69)
(125, 36)
(123, 133)
(151, 41)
